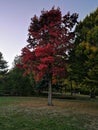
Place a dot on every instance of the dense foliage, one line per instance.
(3, 71)
(3, 65)
(50, 39)
(84, 57)
(13, 82)
(50, 57)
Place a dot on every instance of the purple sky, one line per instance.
(15, 18)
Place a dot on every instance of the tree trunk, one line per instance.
(92, 93)
(50, 93)
(71, 88)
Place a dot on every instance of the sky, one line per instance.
(15, 18)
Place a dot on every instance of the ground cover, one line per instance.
(33, 113)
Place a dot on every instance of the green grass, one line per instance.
(32, 113)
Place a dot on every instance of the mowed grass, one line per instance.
(33, 113)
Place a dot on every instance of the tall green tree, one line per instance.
(91, 79)
(82, 64)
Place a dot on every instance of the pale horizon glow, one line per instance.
(15, 18)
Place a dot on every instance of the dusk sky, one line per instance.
(15, 18)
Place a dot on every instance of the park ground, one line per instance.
(33, 113)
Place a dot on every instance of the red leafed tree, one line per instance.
(50, 39)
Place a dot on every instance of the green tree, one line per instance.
(17, 84)
(91, 80)
(3, 73)
(82, 66)
(77, 66)
(3, 65)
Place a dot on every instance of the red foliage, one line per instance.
(49, 40)
(42, 67)
(47, 60)
(47, 50)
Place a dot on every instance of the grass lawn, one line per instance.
(32, 113)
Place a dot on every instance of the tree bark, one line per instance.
(92, 95)
(71, 88)
(50, 93)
